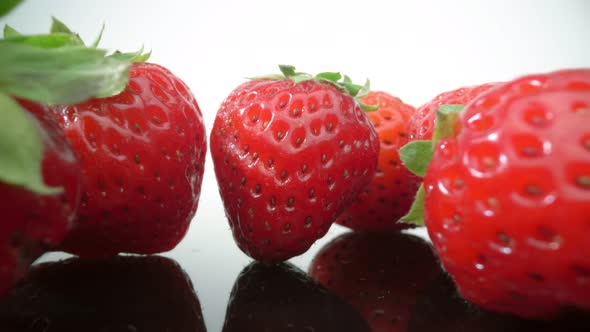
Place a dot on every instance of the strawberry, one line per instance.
(142, 153)
(390, 193)
(422, 122)
(39, 172)
(32, 221)
(120, 293)
(507, 195)
(283, 298)
(290, 152)
(379, 274)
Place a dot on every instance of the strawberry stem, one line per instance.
(446, 120)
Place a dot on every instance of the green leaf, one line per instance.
(364, 90)
(134, 57)
(287, 70)
(59, 26)
(301, 78)
(416, 213)
(7, 5)
(341, 82)
(351, 88)
(98, 38)
(10, 32)
(329, 76)
(446, 117)
(53, 40)
(368, 108)
(61, 75)
(21, 149)
(416, 156)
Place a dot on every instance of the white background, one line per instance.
(414, 50)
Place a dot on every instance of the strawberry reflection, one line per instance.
(121, 293)
(440, 308)
(283, 298)
(379, 274)
(395, 281)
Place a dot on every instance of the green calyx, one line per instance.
(8, 5)
(58, 68)
(416, 156)
(133, 57)
(52, 68)
(342, 82)
(21, 149)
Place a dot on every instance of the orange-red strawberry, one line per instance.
(391, 192)
(290, 154)
(33, 222)
(142, 154)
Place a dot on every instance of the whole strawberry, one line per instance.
(290, 154)
(507, 195)
(379, 274)
(391, 192)
(422, 122)
(142, 154)
(35, 220)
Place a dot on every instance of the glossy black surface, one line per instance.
(114, 294)
(384, 282)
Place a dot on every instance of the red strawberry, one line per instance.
(283, 298)
(289, 157)
(120, 293)
(379, 274)
(507, 200)
(390, 193)
(422, 123)
(35, 222)
(142, 153)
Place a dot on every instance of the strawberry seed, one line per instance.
(583, 181)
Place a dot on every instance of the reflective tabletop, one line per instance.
(346, 282)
